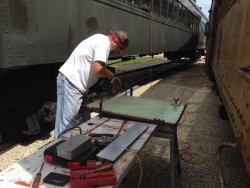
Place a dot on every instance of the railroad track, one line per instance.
(143, 74)
(7, 146)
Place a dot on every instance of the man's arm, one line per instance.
(100, 70)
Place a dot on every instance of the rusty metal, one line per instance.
(229, 64)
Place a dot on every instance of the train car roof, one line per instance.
(193, 7)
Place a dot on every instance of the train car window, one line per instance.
(185, 16)
(170, 9)
(189, 20)
(145, 5)
(179, 13)
(196, 24)
(164, 10)
(193, 22)
(182, 15)
(156, 7)
(200, 27)
(176, 11)
(133, 2)
(206, 29)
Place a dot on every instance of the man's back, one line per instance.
(78, 66)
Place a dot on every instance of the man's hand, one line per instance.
(116, 85)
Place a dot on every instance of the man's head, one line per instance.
(119, 41)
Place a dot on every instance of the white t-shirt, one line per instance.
(78, 66)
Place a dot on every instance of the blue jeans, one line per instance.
(69, 113)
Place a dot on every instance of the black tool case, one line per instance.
(50, 155)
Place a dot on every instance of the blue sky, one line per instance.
(205, 4)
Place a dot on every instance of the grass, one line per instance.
(137, 60)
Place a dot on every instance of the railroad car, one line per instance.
(228, 65)
(38, 36)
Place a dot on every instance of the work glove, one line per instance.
(116, 85)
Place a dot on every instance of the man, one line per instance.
(85, 65)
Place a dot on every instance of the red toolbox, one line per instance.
(80, 180)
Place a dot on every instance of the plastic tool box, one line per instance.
(80, 180)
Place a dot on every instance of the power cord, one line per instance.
(140, 165)
(189, 156)
(80, 130)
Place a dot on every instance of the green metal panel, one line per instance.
(143, 108)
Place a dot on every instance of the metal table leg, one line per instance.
(172, 163)
(175, 168)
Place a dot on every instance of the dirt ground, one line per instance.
(200, 132)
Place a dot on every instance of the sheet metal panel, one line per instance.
(149, 110)
(119, 145)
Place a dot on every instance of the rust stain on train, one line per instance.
(18, 15)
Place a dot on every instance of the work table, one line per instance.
(21, 174)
